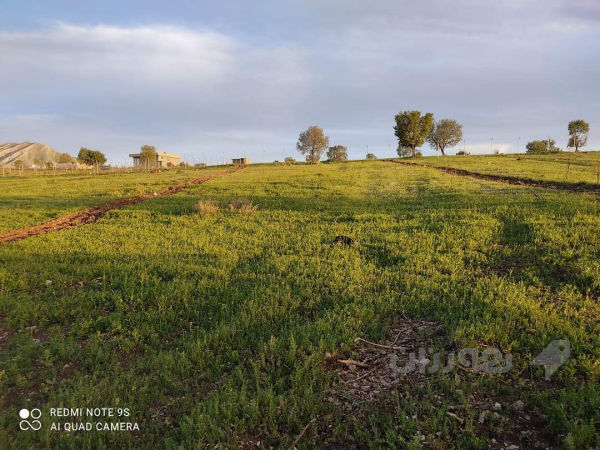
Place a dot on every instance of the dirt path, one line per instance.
(91, 215)
(573, 187)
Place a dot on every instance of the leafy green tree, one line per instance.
(18, 164)
(91, 157)
(578, 130)
(289, 160)
(445, 133)
(337, 153)
(371, 156)
(412, 130)
(544, 146)
(312, 143)
(84, 156)
(99, 157)
(65, 158)
(49, 165)
(148, 156)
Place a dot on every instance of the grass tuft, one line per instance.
(242, 205)
(206, 207)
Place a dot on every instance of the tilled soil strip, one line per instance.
(557, 185)
(91, 215)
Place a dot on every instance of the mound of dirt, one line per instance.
(371, 373)
(32, 154)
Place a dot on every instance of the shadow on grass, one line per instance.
(520, 257)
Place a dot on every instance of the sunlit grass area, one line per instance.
(32, 198)
(212, 323)
(580, 167)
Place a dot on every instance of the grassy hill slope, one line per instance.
(561, 167)
(223, 327)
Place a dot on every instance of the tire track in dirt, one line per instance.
(91, 215)
(556, 185)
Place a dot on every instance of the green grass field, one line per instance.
(571, 167)
(213, 328)
(32, 198)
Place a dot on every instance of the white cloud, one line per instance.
(154, 80)
(93, 53)
(143, 56)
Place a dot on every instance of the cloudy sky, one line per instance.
(231, 78)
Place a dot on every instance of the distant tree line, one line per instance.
(148, 156)
(337, 153)
(85, 156)
(312, 143)
(91, 157)
(578, 131)
(65, 158)
(412, 130)
(544, 146)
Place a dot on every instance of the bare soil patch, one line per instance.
(372, 386)
(374, 375)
